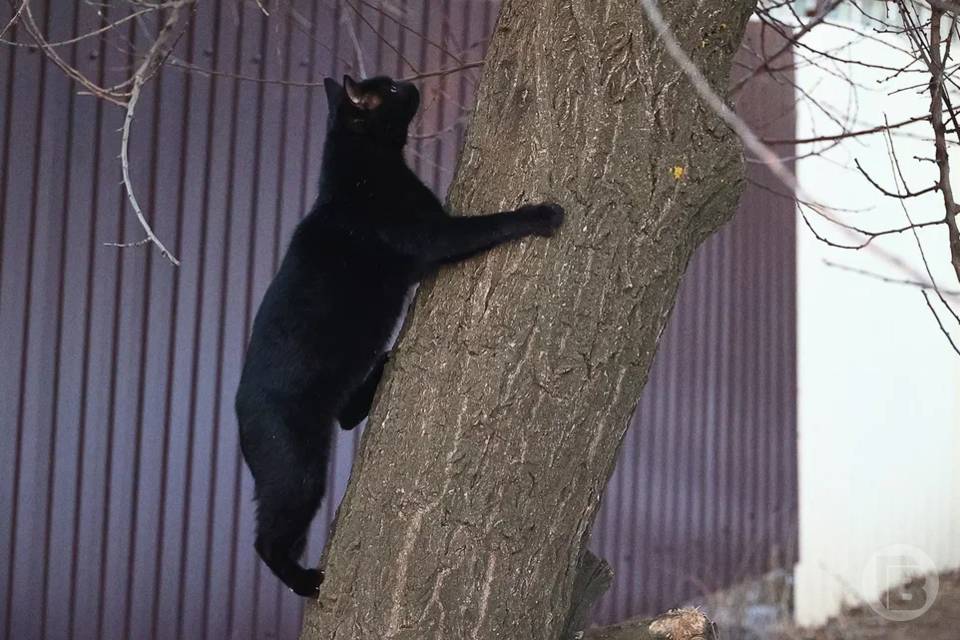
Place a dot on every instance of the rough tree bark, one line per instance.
(499, 420)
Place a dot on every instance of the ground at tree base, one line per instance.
(941, 622)
(760, 610)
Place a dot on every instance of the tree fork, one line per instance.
(498, 422)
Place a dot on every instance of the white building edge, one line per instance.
(879, 386)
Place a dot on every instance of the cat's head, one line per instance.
(378, 108)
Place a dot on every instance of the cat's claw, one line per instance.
(552, 218)
(547, 217)
(557, 214)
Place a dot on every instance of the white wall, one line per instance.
(878, 384)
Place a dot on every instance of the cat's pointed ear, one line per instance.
(334, 92)
(352, 91)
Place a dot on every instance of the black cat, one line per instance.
(319, 339)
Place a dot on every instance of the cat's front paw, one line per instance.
(547, 217)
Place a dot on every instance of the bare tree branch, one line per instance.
(943, 329)
(26, 18)
(155, 58)
(890, 194)
(444, 72)
(89, 34)
(939, 131)
(848, 134)
(890, 280)
(14, 18)
(357, 50)
(822, 11)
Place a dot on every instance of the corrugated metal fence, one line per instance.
(125, 510)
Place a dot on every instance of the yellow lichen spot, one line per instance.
(677, 172)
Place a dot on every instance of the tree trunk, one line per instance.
(500, 417)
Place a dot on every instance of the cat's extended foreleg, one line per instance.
(464, 237)
(358, 405)
(449, 239)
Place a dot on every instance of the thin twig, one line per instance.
(262, 8)
(382, 38)
(444, 72)
(192, 68)
(128, 183)
(27, 20)
(154, 59)
(13, 20)
(306, 84)
(822, 12)
(90, 34)
(943, 329)
(127, 245)
(357, 50)
(890, 194)
(848, 134)
(889, 280)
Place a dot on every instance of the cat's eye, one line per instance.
(393, 88)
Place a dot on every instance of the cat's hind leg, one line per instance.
(281, 538)
(358, 405)
(289, 477)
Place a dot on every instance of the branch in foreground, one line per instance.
(679, 624)
(594, 578)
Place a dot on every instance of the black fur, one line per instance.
(318, 345)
